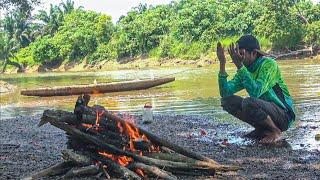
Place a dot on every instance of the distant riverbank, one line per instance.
(134, 63)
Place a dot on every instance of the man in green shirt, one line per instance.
(269, 109)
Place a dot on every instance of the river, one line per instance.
(195, 91)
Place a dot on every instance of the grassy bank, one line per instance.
(136, 63)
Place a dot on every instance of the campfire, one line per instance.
(103, 145)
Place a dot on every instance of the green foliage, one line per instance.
(265, 43)
(165, 48)
(185, 29)
(45, 50)
(313, 33)
(104, 52)
(25, 56)
(280, 24)
(228, 40)
(24, 5)
(169, 47)
(192, 51)
(79, 35)
(193, 18)
(142, 29)
(2, 44)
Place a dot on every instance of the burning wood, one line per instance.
(106, 145)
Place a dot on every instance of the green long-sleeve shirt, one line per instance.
(261, 80)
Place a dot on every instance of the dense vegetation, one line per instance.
(187, 29)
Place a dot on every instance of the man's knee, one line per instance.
(228, 103)
(225, 102)
(248, 104)
(252, 110)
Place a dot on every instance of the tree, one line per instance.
(17, 34)
(79, 35)
(7, 51)
(142, 29)
(68, 6)
(23, 5)
(52, 20)
(280, 24)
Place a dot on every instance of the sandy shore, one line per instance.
(25, 148)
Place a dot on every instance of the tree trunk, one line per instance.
(8, 62)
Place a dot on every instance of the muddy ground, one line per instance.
(25, 148)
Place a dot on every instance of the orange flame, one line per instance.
(140, 172)
(98, 118)
(86, 125)
(122, 160)
(134, 134)
(120, 127)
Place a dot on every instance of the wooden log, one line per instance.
(112, 149)
(154, 139)
(294, 54)
(201, 172)
(57, 115)
(79, 159)
(96, 88)
(152, 170)
(142, 145)
(54, 170)
(88, 118)
(183, 159)
(161, 142)
(149, 161)
(105, 172)
(116, 168)
(64, 116)
(82, 171)
(180, 158)
(169, 157)
(112, 138)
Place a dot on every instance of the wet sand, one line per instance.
(25, 148)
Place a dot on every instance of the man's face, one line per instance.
(249, 57)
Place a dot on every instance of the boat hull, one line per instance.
(97, 88)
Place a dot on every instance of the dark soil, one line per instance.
(25, 148)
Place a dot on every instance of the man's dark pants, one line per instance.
(255, 111)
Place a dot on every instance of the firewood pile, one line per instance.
(105, 146)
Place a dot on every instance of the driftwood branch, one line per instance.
(294, 53)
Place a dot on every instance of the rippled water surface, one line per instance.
(195, 91)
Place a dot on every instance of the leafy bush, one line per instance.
(44, 50)
(104, 52)
(25, 56)
(313, 33)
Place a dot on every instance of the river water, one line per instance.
(195, 91)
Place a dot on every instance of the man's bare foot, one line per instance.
(271, 138)
(255, 134)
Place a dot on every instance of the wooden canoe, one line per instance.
(97, 88)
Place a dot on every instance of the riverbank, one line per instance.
(134, 63)
(137, 63)
(25, 148)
